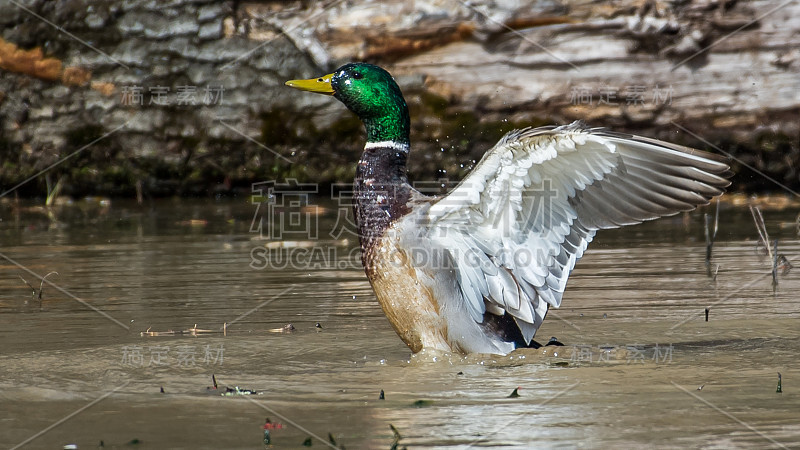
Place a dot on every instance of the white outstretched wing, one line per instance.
(523, 217)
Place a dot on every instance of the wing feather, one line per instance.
(525, 215)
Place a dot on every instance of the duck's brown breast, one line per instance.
(405, 297)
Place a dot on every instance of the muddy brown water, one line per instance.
(640, 366)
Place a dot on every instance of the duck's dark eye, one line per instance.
(357, 75)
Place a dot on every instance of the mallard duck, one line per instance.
(475, 271)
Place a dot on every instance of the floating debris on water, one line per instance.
(333, 442)
(515, 393)
(162, 389)
(288, 328)
(775, 266)
(214, 380)
(700, 388)
(318, 325)
(763, 237)
(779, 390)
(236, 390)
(307, 442)
(707, 309)
(34, 293)
(193, 331)
(422, 403)
(382, 396)
(269, 426)
(230, 392)
(784, 265)
(396, 439)
(771, 250)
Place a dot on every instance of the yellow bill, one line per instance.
(321, 85)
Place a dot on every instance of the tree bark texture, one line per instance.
(187, 96)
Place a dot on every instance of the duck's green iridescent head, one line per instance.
(371, 93)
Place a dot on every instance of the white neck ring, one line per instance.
(394, 145)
